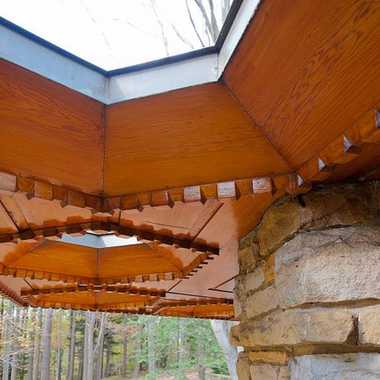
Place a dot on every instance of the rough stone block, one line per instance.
(269, 372)
(247, 259)
(242, 367)
(332, 206)
(244, 285)
(359, 366)
(279, 222)
(295, 327)
(272, 357)
(261, 302)
(234, 336)
(269, 269)
(369, 325)
(247, 240)
(322, 266)
(249, 282)
(238, 307)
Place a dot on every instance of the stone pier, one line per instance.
(308, 292)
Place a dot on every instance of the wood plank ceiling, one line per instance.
(191, 170)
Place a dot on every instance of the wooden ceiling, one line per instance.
(307, 70)
(193, 170)
(191, 136)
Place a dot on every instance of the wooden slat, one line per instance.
(306, 70)
(344, 150)
(49, 131)
(190, 136)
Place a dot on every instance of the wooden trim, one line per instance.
(344, 149)
(12, 295)
(120, 288)
(130, 230)
(232, 189)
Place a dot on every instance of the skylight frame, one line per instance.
(215, 49)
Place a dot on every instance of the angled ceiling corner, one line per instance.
(192, 136)
(49, 131)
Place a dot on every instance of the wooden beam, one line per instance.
(119, 288)
(130, 230)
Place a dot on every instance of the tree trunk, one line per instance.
(85, 347)
(6, 344)
(46, 345)
(180, 339)
(88, 372)
(71, 354)
(136, 369)
(98, 350)
(107, 371)
(25, 342)
(222, 331)
(36, 347)
(59, 346)
(31, 338)
(15, 335)
(151, 344)
(124, 368)
(200, 354)
(81, 362)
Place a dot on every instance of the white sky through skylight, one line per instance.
(118, 33)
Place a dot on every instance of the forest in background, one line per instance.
(60, 344)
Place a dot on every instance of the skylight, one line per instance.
(117, 33)
(99, 241)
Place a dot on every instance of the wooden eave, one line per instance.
(196, 168)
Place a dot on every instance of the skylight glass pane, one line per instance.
(102, 241)
(118, 33)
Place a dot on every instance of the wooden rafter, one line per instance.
(154, 263)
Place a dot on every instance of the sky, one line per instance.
(110, 33)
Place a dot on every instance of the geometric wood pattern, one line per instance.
(187, 172)
(222, 309)
(57, 260)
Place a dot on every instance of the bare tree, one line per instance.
(206, 30)
(161, 26)
(6, 332)
(16, 332)
(124, 367)
(150, 324)
(98, 350)
(71, 354)
(46, 345)
(88, 365)
(36, 346)
(208, 9)
(59, 347)
(31, 338)
(222, 332)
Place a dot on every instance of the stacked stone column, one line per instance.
(308, 293)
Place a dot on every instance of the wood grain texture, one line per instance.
(192, 136)
(49, 131)
(306, 70)
(59, 261)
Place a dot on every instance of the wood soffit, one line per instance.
(298, 105)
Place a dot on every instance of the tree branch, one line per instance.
(161, 25)
(193, 23)
(205, 17)
(182, 38)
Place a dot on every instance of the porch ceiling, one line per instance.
(197, 167)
